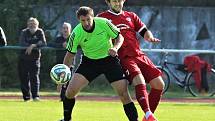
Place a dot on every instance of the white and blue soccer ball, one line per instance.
(60, 74)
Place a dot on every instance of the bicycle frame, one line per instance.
(165, 66)
(180, 82)
(188, 81)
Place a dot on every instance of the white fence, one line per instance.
(144, 50)
(179, 51)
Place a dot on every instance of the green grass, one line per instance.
(51, 110)
(89, 91)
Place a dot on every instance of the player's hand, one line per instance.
(29, 49)
(113, 52)
(59, 87)
(154, 40)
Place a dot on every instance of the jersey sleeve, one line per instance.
(112, 30)
(139, 25)
(72, 43)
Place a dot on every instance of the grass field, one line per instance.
(51, 110)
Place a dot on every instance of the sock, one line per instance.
(68, 105)
(142, 97)
(148, 113)
(154, 98)
(131, 111)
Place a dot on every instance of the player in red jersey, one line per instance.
(138, 66)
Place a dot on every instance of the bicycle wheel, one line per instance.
(165, 77)
(206, 91)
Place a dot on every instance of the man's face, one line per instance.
(116, 5)
(86, 21)
(65, 30)
(32, 26)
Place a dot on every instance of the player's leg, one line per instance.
(152, 76)
(157, 86)
(75, 85)
(63, 91)
(142, 97)
(115, 75)
(64, 86)
(141, 93)
(24, 79)
(77, 60)
(85, 73)
(122, 90)
(138, 80)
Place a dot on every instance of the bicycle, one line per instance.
(185, 79)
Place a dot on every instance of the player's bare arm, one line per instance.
(117, 44)
(68, 59)
(148, 36)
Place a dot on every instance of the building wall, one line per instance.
(181, 27)
(149, 2)
(177, 27)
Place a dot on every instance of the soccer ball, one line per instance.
(60, 74)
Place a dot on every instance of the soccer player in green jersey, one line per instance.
(94, 35)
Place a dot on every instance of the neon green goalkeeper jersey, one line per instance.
(96, 43)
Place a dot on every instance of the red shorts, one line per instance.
(133, 66)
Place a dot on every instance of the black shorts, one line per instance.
(109, 66)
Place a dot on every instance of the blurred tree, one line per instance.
(16, 13)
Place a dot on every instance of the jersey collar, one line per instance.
(110, 11)
(91, 30)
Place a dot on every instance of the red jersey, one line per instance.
(128, 23)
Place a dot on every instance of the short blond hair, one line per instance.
(68, 25)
